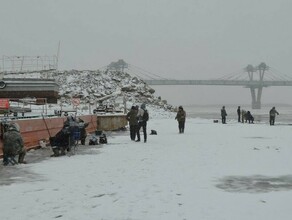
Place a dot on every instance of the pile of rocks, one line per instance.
(106, 87)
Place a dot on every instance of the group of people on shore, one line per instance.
(246, 116)
(73, 131)
(135, 124)
(243, 117)
(138, 118)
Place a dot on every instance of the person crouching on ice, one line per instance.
(13, 144)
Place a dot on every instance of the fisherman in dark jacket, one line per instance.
(60, 142)
(238, 113)
(133, 122)
(13, 144)
(249, 117)
(223, 115)
(72, 131)
(181, 119)
(273, 113)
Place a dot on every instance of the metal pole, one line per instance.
(46, 126)
(46, 106)
(58, 54)
(21, 65)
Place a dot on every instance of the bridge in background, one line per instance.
(253, 78)
(243, 83)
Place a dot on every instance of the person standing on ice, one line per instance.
(133, 122)
(223, 115)
(238, 113)
(142, 117)
(273, 113)
(181, 119)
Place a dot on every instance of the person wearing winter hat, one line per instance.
(143, 106)
(142, 117)
(181, 119)
(133, 122)
(223, 115)
(273, 113)
(13, 144)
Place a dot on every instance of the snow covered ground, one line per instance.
(211, 172)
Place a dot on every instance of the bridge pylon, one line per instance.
(256, 90)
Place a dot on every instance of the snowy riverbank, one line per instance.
(212, 171)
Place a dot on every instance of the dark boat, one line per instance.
(14, 88)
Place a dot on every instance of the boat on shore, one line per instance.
(17, 93)
(16, 88)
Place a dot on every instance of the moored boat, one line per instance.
(34, 130)
(30, 87)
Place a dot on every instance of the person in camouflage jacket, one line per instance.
(13, 144)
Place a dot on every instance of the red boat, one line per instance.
(34, 130)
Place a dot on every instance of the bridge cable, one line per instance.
(134, 71)
(232, 76)
(282, 75)
(147, 73)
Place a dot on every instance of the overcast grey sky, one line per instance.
(191, 39)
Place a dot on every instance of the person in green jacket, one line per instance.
(13, 144)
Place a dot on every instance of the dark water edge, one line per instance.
(261, 115)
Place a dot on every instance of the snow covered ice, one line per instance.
(212, 171)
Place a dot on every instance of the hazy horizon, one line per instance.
(220, 95)
(189, 39)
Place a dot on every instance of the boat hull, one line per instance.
(22, 88)
(35, 130)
